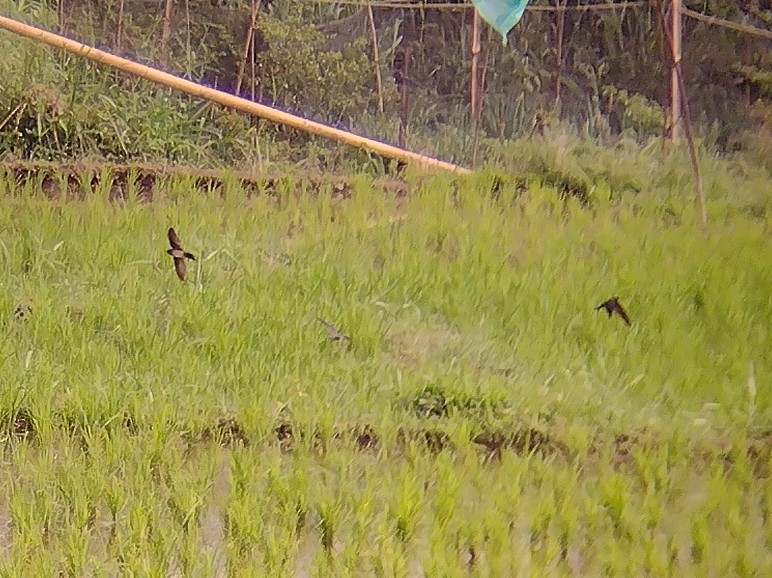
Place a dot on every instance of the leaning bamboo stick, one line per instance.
(166, 31)
(224, 98)
(247, 46)
(376, 56)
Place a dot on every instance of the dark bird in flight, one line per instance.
(333, 333)
(178, 253)
(614, 306)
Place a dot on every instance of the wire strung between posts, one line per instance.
(587, 7)
(727, 24)
(418, 5)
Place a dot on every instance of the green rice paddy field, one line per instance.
(484, 420)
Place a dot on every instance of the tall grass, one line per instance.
(485, 419)
(140, 413)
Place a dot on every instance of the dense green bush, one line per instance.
(316, 59)
(299, 73)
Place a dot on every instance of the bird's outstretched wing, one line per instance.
(174, 240)
(619, 310)
(333, 332)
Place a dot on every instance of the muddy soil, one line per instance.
(75, 180)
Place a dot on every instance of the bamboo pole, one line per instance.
(475, 58)
(675, 100)
(699, 192)
(376, 56)
(224, 98)
(404, 110)
(482, 91)
(475, 84)
(559, 55)
(247, 46)
(253, 67)
(188, 47)
(119, 32)
(60, 16)
(166, 31)
(486, 63)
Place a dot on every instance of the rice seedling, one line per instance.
(483, 417)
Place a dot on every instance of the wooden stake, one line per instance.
(60, 15)
(475, 58)
(257, 163)
(119, 32)
(675, 98)
(253, 65)
(404, 112)
(376, 56)
(224, 98)
(475, 86)
(188, 48)
(247, 44)
(686, 117)
(166, 31)
(483, 88)
(486, 62)
(559, 55)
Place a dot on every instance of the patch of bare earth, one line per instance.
(412, 346)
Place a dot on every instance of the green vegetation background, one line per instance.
(485, 419)
(315, 58)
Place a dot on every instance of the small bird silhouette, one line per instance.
(178, 253)
(614, 306)
(333, 333)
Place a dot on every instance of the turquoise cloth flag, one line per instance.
(502, 15)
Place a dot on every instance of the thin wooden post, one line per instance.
(475, 84)
(404, 112)
(376, 56)
(675, 98)
(475, 57)
(188, 46)
(559, 55)
(166, 31)
(119, 31)
(700, 193)
(247, 44)
(486, 61)
(224, 98)
(253, 65)
(60, 15)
